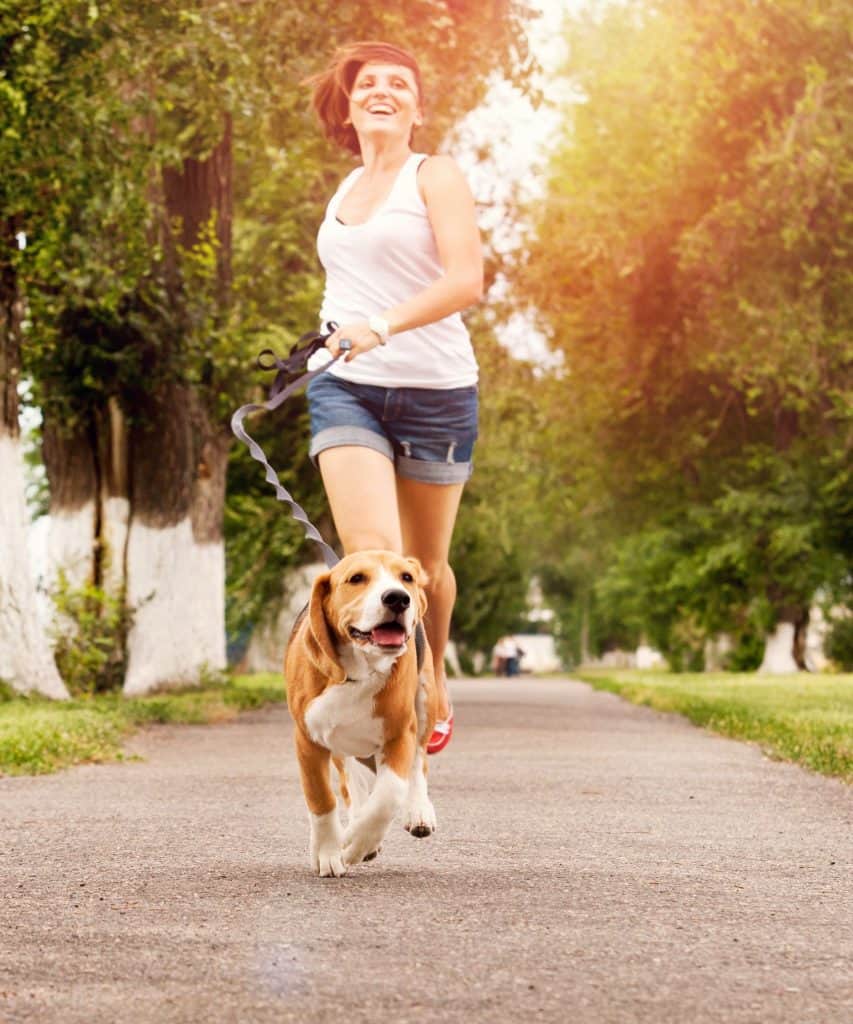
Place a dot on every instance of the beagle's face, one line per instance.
(374, 600)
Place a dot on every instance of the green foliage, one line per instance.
(263, 541)
(88, 635)
(39, 736)
(799, 718)
(492, 552)
(839, 643)
(104, 102)
(692, 261)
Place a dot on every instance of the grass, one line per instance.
(38, 736)
(803, 718)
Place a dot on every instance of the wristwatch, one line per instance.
(379, 326)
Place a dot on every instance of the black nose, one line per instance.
(396, 600)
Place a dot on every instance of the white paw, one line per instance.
(328, 861)
(419, 818)
(362, 841)
(326, 846)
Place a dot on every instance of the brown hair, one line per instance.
(332, 87)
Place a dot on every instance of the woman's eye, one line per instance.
(357, 577)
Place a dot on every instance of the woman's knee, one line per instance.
(440, 575)
(369, 539)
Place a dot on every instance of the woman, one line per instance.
(394, 422)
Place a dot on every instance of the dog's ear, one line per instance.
(321, 647)
(421, 579)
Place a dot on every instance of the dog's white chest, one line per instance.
(342, 720)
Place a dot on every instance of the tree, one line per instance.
(45, 52)
(692, 260)
(151, 290)
(25, 658)
(496, 539)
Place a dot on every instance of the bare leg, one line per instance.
(360, 486)
(427, 516)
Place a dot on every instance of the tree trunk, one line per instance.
(26, 662)
(89, 502)
(784, 649)
(585, 655)
(178, 461)
(70, 460)
(176, 554)
(137, 501)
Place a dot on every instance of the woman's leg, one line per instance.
(362, 493)
(427, 516)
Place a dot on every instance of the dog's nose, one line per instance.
(396, 600)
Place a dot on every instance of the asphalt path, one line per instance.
(595, 862)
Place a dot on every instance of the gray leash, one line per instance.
(279, 393)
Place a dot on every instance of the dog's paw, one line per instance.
(419, 818)
(362, 843)
(328, 862)
(326, 847)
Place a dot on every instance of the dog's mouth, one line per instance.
(386, 634)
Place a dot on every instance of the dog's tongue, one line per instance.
(390, 634)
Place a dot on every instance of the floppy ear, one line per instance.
(318, 638)
(421, 579)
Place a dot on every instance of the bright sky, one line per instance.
(519, 136)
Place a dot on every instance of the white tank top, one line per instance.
(374, 266)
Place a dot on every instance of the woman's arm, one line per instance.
(452, 216)
(450, 207)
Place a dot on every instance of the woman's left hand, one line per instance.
(359, 334)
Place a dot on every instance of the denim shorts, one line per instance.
(428, 433)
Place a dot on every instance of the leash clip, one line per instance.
(294, 364)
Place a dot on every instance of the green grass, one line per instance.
(38, 736)
(803, 718)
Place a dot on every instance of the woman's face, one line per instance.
(384, 99)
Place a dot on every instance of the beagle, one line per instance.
(357, 694)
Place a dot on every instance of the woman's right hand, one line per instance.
(361, 337)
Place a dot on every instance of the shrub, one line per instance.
(88, 635)
(839, 643)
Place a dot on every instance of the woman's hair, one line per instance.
(332, 87)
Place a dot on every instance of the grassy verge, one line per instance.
(39, 736)
(803, 718)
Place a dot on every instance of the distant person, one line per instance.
(516, 658)
(505, 654)
(393, 423)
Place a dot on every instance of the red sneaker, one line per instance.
(441, 735)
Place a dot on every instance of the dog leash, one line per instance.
(280, 391)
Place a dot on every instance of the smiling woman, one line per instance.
(333, 88)
(394, 422)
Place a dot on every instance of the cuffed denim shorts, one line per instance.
(427, 433)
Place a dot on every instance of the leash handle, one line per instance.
(279, 393)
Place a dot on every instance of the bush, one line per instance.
(88, 636)
(839, 643)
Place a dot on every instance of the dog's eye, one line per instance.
(407, 577)
(357, 577)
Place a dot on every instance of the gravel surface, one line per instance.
(595, 862)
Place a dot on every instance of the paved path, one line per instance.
(596, 862)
